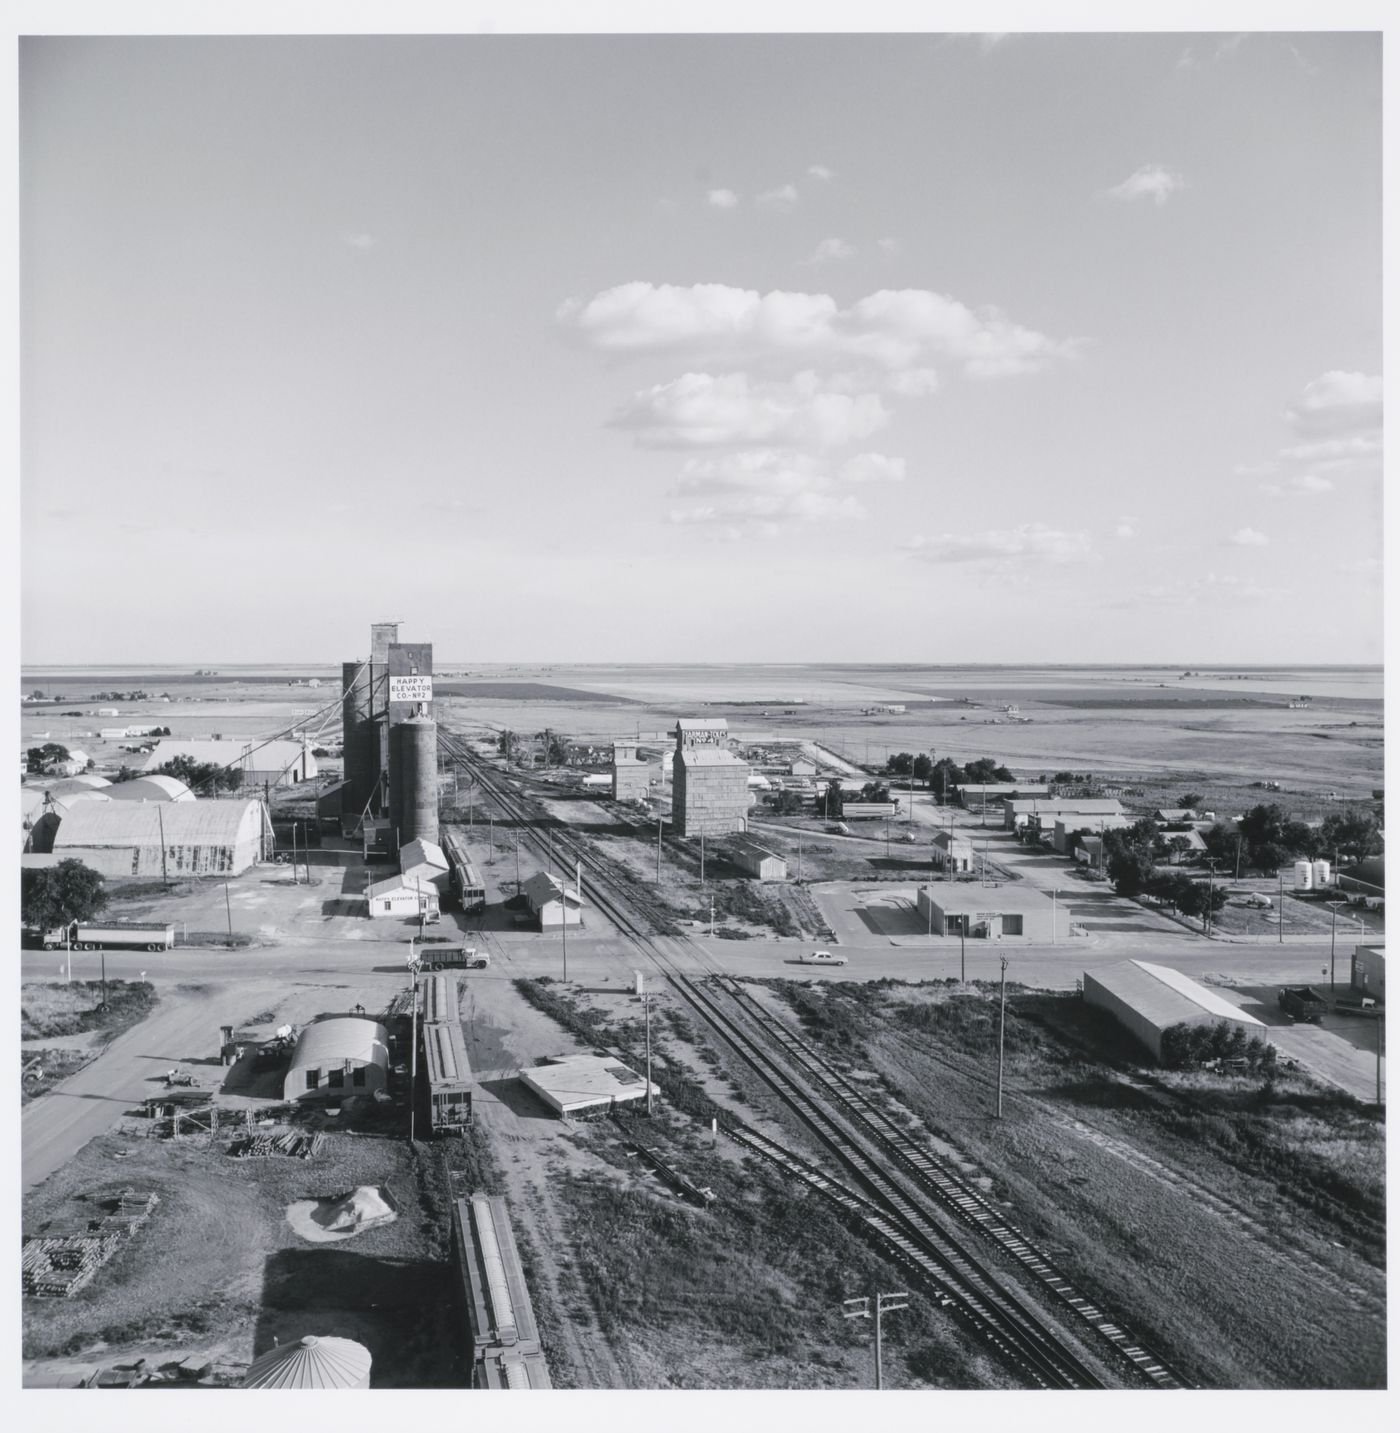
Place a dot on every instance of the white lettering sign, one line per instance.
(410, 689)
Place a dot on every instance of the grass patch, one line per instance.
(55, 1008)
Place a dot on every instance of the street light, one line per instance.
(884, 1304)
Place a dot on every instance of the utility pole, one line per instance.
(517, 860)
(887, 840)
(702, 858)
(295, 878)
(799, 856)
(413, 1057)
(646, 1005)
(1239, 846)
(962, 943)
(306, 848)
(564, 924)
(658, 850)
(1280, 907)
(164, 874)
(1001, 1037)
(1208, 921)
(1334, 905)
(884, 1304)
(228, 911)
(1055, 916)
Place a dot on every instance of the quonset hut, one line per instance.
(155, 838)
(340, 1055)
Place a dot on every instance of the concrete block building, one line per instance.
(632, 774)
(710, 785)
(1016, 910)
(1148, 1000)
(585, 1084)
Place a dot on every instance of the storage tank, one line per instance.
(1302, 876)
(360, 742)
(1322, 873)
(413, 786)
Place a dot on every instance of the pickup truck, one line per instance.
(820, 957)
(1302, 1002)
(451, 957)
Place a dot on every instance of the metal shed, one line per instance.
(340, 1055)
(1149, 999)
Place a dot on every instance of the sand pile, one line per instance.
(321, 1220)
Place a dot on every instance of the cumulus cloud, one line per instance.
(721, 198)
(1030, 543)
(363, 242)
(820, 172)
(764, 489)
(711, 410)
(783, 197)
(830, 250)
(872, 468)
(1338, 403)
(1127, 527)
(913, 382)
(1249, 537)
(897, 329)
(1306, 484)
(888, 246)
(1152, 181)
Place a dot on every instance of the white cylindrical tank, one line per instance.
(1322, 873)
(1302, 876)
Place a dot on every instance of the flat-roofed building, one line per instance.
(585, 1084)
(1015, 910)
(1148, 1000)
(977, 794)
(1067, 825)
(274, 763)
(952, 852)
(338, 1055)
(1018, 811)
(1368, 971)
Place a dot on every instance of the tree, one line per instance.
(201, 775)
(901, 763)
(788, 803)
(875, 791)
(985, 770)
(1351, 833)
(1271, 838)
(42, 760)
(1178, 846)
(125, 773)
(58, 895)
(923, 767)
(506, 743)
(1131, 868)
(831, 803)
(948, 773)
(1191, 800)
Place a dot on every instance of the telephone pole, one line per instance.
(1001, 1037)
(884, 1304)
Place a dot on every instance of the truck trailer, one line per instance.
(1302, 1002)
(133, 936)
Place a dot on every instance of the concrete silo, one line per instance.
(413, 783)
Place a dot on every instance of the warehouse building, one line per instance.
(165, 838)
(585, 1084)
(150, 788)
(1368, 972)
(988, 912)
(975, 795)
(1066, 826)
(755, 859)
(552, 902)
(952, 853)
(402, 896)
(1148, 1000)
(336, 1056)
(1018, 811)
(272, 763)
(710, 784)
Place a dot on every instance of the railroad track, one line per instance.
(880, 1156)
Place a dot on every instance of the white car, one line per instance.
(821, 957)
(1258, 900)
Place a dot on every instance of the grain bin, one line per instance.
(1302, 876)
(1322, 873)
(413, 787)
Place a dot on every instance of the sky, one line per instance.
(784, 348)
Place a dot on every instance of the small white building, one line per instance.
(585, 1084)
(423, 861)
(755, 859)
(402, 896)
(951, 851)
(552, 901)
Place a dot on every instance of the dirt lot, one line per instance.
(61, 1027)
(1196, 1207)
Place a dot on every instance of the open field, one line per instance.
(62, 1029)
(1195, 1206)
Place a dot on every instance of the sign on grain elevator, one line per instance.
(410, 689)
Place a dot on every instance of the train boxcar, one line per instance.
(502, 1370)
(445, 1059)
(467, 884)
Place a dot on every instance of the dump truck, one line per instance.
(127, 936)
(449, 957)
(1302, 1002)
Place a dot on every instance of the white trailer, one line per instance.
(133, 936)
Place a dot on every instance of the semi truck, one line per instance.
(1302, 1002)
(132, 936)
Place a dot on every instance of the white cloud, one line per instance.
(1254, 470)
(1307, 484)
(1127, 527)
(888, 246)
(820, 172)
(914, 382)
(764, 490)
(872, 468)
(830, 250)
(1332, 451)
(1338, 403)
(721, 198)
(1249, 537)
(363, 242)
(1152, 181)
(1211, 590)
(709, 410)
(783, 197)
(1029, 543)
(898, 329)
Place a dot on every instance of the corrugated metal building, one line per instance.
(150, 788)
(552, 901)
(124, 838)
(755, 859)
(1149, 999)
(1368, 971)
(276, 763)
(1018, 810)
(341, 1055)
